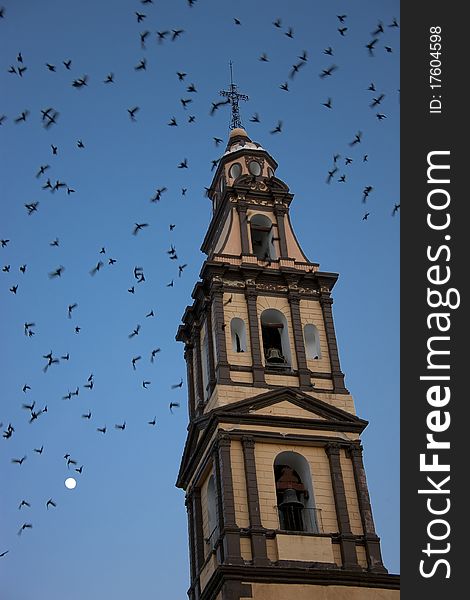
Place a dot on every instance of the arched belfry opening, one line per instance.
(275, 339)
(262, 243)
(294, 493)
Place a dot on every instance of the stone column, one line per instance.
(210, 345)
(372, 541)
(258, 368)
(198, 530)
(192, 551)
(258, 540)
(241, 209)
(196, 339)
(337, 375)
(304, 371)
(280, 212)
(226, 503)
(347, 539)
(189, 357)
(223, 367)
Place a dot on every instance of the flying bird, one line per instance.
(357, 139)
(177, 385)
(278, 128)
(327, 72)
(24, 526)
(132, 112)
(138, 227)
(173, 404)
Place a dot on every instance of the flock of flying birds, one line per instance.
(50, 118)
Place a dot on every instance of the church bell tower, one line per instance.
(276, 493)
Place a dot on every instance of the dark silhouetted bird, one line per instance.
(142, 65)
(370, 46)
(57, 273)
(109, 78)
(216, 105)
(132, 112)
(25, 526)
(331, 174)
(121, 427)
(377, 101)
(101, 429)
(173, 404)
(342, 30)
(328, 103)
(153, 421)
(278, 128)
(328, 72)
(177, 385)
(395, 209)
(183, 164)
(379, 29)
(138, 227)
(176, 33)
(364, 218)
(357, 139)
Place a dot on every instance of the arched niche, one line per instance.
(262, 243)
(294, 493)
(312, 342)
(275, 338)
(238, 334)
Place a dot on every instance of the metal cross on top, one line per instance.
(233, 97)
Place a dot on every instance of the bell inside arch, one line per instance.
(290, 499)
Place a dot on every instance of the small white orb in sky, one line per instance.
(70, 483)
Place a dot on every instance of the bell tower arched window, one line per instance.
(238, 333)
(312, 342)
(294, 493)
(262, 243)
(275, 338)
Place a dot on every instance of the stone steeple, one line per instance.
(275, 486)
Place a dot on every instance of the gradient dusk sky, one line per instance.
(122, 532)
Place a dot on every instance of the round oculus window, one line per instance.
(255, 168)
(235, 170)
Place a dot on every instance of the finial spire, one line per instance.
(233, 97)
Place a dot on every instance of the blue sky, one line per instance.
(122, 531)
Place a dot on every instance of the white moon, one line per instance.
(70, 483)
